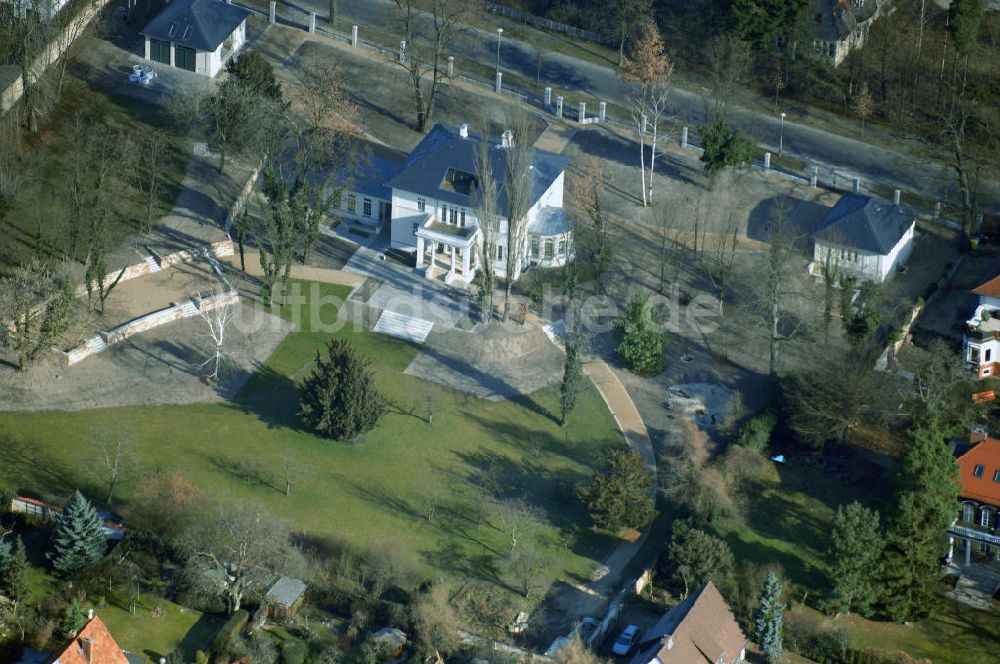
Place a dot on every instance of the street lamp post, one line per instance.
(781, 137)
(499, 32)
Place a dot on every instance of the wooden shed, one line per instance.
(284, 598)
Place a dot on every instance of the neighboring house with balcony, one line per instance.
(429, 200)
(981, 343)
(975, 529)
(196, 35)
(699, 629)
(841, 26)
(864, 237)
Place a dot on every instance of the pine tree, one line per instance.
(569, 391)
(339, 400)
(14, 582)
(6, 553)
(640, 339)
(855, 559)
(927, 495)
(767, 619)
(79, 541)
(622, 497)
(73, 619)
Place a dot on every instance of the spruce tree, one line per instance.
(640, 339)
(569, 391)
(14, 582)
(855, 559)
(622, 497)
(79, 541)
(339, 400)
(6, 553)
(767, 619)
(927, 494)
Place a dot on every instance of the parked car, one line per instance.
(625, 640)
(586, 628)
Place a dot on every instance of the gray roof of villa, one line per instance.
(551, 221)
(286, 591)
(444, 150)
(861, 222)
(836, 19)
(198, 24)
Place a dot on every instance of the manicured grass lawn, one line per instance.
(790, 513)
(37, 220)
(153, 636)
(372, 494)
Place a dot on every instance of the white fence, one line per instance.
(548, 24)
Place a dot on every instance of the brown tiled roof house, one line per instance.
(92, 645)
(699, 630)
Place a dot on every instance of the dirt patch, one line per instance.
(706, 404)
(157, 367)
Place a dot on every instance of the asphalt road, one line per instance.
(830, 151)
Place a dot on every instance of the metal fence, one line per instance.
(548, 24)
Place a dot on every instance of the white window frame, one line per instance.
(366, 206)
(422, 204)
(352, 202)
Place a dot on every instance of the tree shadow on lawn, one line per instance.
(272, 397)
(245, 470)
(27, 468)
(531, 441)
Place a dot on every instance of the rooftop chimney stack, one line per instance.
(87, 647)
(90, 614)
(463, 130)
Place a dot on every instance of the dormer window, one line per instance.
(978, 470)
(172, 30)
(996, 476)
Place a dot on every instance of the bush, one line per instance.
(756, 434)
(200, 657)
(229, 631)
(293, 651)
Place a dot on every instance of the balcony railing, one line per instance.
(974, 532)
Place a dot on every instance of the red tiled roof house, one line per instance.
(699, 630)
(92, 645)
(981, 343)
(976, 527)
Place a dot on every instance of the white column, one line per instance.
(270, 15)
(434, 246)
(814, 178)
(968, 552)
(451, 270)
(857, 185)
(420, 251)
(548, 96)
(146, 52)
(172, 55)
(559, 105)
(451, 66)
(767, 161)
(684, 133)
(951, 549)
(354, 35)
(499, 85)
(583, 112)
(602, 111)
(466, 253)
(312, 23)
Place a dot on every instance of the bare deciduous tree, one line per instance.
(486, 204)
(518, 184)
(235, 553)
(36, 304)
(427, 29)
(217, 312)
(864, 105)
(115, 447)
(648, 72)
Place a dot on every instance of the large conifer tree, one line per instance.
(339, 400)
(927, 498)
(855, 559)
(79, 541)
(768, 619)
(14, 581)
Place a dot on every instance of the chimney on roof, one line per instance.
(895, 197)
(90, 614)
(463, 130)
(507, 139)
(86, 645)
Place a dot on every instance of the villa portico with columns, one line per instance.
(448, 250)
(974, 536)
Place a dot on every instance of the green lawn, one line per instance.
(153, 633)
(37, 219)
(372, 494)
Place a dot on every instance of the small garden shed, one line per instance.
(284, 598)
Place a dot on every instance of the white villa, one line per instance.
(427, 199)
(865, 237)
(982, 331)
(196, 35)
